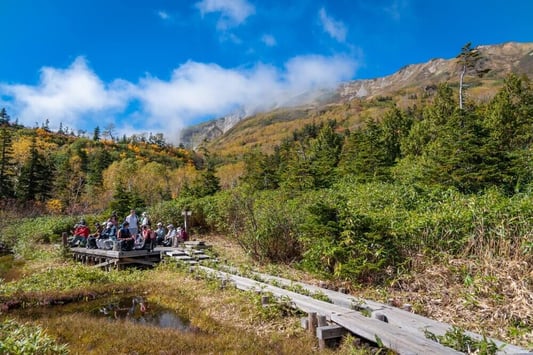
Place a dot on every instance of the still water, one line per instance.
(136, 309)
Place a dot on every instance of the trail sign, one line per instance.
(185, 214)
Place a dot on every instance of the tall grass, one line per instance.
(374, 226)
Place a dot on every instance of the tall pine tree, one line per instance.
(6, 161)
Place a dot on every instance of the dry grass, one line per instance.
(491, 297)
(488, 296)
(222, 321)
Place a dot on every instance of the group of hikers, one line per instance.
(132, 234)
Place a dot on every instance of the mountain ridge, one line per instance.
(412, 79)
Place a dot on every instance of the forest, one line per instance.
(444, 183)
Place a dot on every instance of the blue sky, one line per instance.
(161, 65)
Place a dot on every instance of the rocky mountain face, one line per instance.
(193, 136)
(501, 59)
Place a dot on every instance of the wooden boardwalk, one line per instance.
(108, 259)
(191, 252)
(396, 329)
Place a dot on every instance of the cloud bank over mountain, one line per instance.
(76, 94)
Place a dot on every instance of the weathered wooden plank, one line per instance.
(135, 261)
(330, 332)
(105, 263)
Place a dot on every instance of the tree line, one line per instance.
(472, 148)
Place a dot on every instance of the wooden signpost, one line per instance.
(185, 214)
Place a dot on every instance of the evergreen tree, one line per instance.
(260, 171)
(324, 155)
(470, 62)
(121, 200)
(36, 177)
(4, 117)
(365, 155)
(396, 126)
(96, 133)
(434, 118)
(98, 161)
(6, 161)
(457, 156)
(509, 117)
(295, 167)
(207, 183)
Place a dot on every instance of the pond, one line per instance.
(130, 308)
(136, 309)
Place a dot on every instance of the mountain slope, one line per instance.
(412, 84)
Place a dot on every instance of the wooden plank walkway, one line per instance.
(191, 252)
(409, 321)
(391, 336)
(116, 259)
(403, 331)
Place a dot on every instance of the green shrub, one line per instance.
(68, 277)
(23, 235)
(17, 338)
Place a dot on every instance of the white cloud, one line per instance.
(335, 29)
(200, 90)
(269, 40)
(66, 95)
(314, 71)
(232, 12)
(78, 98)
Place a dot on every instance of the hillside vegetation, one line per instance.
(430, 202)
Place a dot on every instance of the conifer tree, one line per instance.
(6, 161)
(98, 161)
(4, 117)
(364, 154)
(324, 155)
(260, 170)
(470, 62)
(509, 118)
(395, 126)
(36, 177)
(96, 133)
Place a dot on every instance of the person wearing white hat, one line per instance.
(170, 237)
(145, 220)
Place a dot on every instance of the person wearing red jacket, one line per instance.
(80, 235)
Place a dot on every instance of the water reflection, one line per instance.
(137, 310)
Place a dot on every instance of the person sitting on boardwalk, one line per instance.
(80, 235)
(107, 237)
(113, 219)
(91, 240)
(182, 234)
(125, 238)
(160, 233)
(170, 237)
(149, 237)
